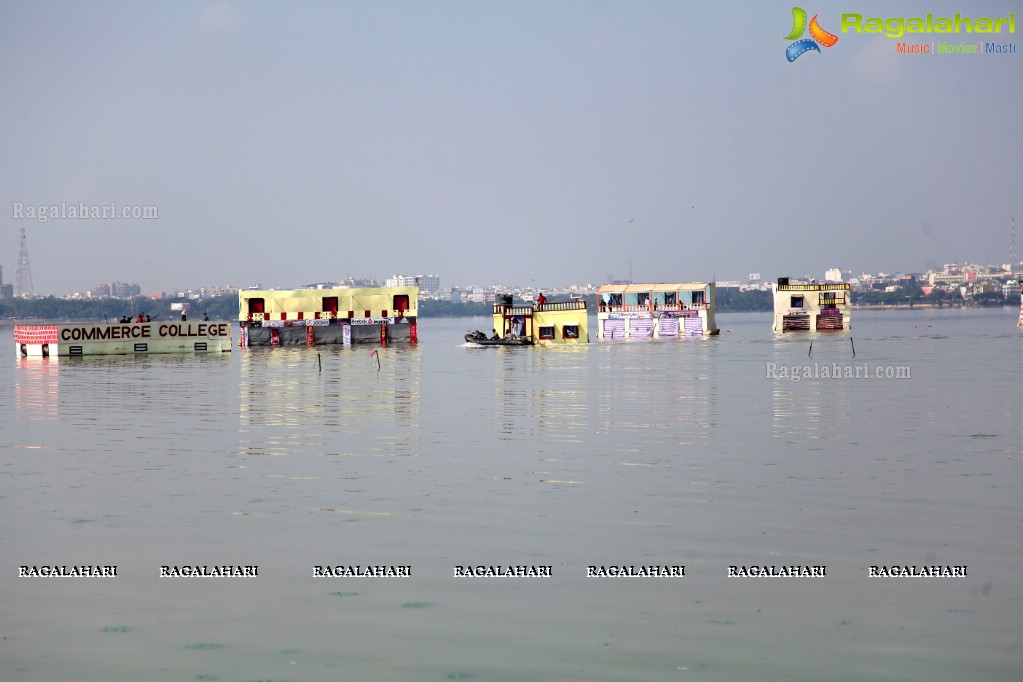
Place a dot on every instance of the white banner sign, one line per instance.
(372, 320)
(296, 323)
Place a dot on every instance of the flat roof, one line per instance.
(341, 291)
(646, 288)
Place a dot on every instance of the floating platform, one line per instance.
(659, 310)
(316, 317)
(811, 306)
(552, 322)
(122, 338)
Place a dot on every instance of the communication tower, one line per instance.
(23, 277)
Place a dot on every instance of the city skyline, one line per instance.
(560, 142)
(104, 289)
(951, 271)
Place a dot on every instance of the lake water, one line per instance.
(614, 453)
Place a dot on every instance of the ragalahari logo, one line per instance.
(818, 35)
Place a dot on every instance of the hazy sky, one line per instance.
(552, 142)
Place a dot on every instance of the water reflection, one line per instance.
(632, 395)
(119, 387)
(931, 478)
(330, 401)
(37, 388)
(810, 406)
(541, 393)
(657, 393)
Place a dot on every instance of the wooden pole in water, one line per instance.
(853, 346)
(810, 354)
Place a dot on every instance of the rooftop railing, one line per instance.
(501, 309)
(830, 286)
(649, 307)
(576, 304)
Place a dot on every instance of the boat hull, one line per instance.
(498, 342)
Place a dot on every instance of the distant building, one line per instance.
(939, 279)
(124, 290)
(481, 295)
(428, 284)
(357, 282)
(116, 290)
(219, 290)
(6, 291)
(833, 275)
(1011, 289)
(400, 281)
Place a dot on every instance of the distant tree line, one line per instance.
(112, 309)
(735, 301)
(431, 308)
(913, 295)
(217, 307)
(226, 307)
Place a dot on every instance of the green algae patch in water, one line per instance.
(416, 605)
(344, 594)
(459, 676)
(116, 628)
(204, 645)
